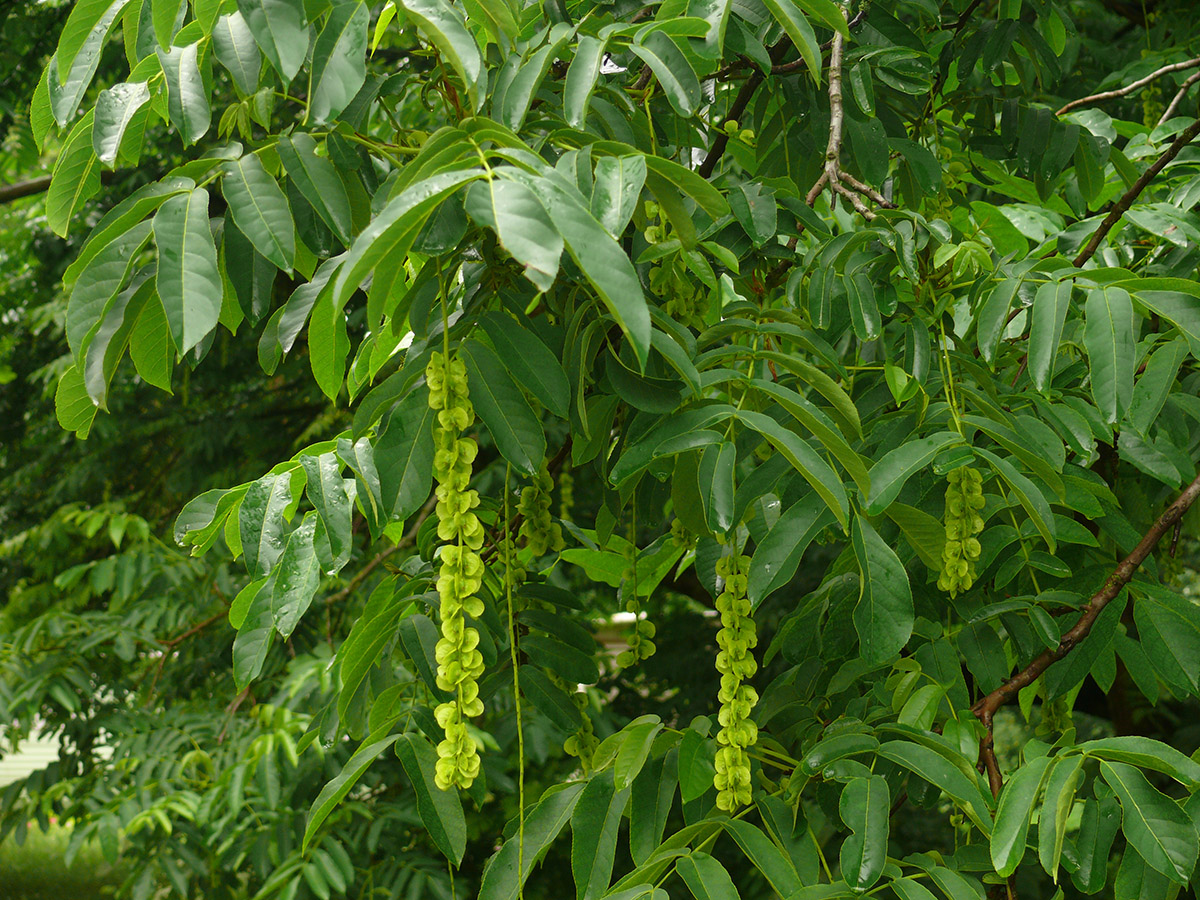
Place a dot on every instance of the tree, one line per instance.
(863, 336)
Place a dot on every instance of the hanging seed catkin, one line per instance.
(459, 662)
(964, 499)
(736, 663)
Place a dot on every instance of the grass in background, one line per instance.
(35, 870)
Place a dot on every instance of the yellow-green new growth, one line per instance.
(541, 533)
(964, 499)
(735, 661)
(458, 658)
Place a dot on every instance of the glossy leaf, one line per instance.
(884, 614)
(1013, 813)
(521, 224)
(503, 408)
(188, 280)
(1108, 336)
(1153, 823)
(864, 808)
(339, 62)
(595, 824)
(441, 811)
(280, 27)
(187, 96)
(235, 49)
(260, 210)
(1047, 316)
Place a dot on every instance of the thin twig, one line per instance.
(406, 540)
(1177, 100)
(1118, 210)
(986, 708)
(1132, 86)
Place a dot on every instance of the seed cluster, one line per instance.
(964, 499)
(736, 663)
(641, 643)
(458, 658)
(541, 533)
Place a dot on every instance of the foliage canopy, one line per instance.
(838, 359)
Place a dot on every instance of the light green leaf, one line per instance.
(235, 49)
(1146, 753)
(116, 107)
(253, 640)
(993, 317)
(503, 408)
(884, 614)
(510, 104)
(638, 738)
(260, 519)
(513, 211)
(151, 347)
(260, 210)
(800, 32)
(99, 282)
(339, 65)
(447, 30)
(335, 791)
(317, 179)
(188, 280)
(1153, 823)
(939, 771)
(280, 27)
(595, 825)
(581, 79)
(652, 795)
(1108, 337)
(1030, 497)
(1061, 785)
(295, 578)
(330, 495)
(441, 811)
(76, 176)
(617, 187)
(88, 19)
(1013, 812)
(673, 70)
(73, 407)
(765, 856)
(187, 96)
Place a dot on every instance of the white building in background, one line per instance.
(35, 753)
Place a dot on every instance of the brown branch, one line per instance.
(195, 629)
(1118, 210)
(740, 102)
(406, 540)
(11, 192)
(986, 708)
(1177, 100)
(1132, 86)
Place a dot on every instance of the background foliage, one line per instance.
(743, 293)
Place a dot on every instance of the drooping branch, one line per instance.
(1177, 100)
(1132, 86)
(986, 708)
(1114, 215)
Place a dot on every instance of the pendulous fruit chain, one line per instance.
(736, 663)
(964, 499)
(458, 658)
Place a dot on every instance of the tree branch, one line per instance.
(1177, 100)
(11, 192)
(407, 539)
(986, 708)
(1118, 210)
(1132, 86)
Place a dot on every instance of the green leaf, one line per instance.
(501, 880)
(1154, 384)
(1049, 312)
(1097, 828)
(150, 345)
(652, 795)
(254, 638)
(550, 699)
(235, 49)
(581, 79)
(993, 317)
(524, 230)
(889, 475)
(503, 408)
(295, 578)
(716, 14)
(404, 456)
(1013, 812)
(638, 738)
(765, 856)
(839, 746)
(419, 636)
(260, 210)
(441, 811)
(804, 459)
(116, 107)
(1031, 499)
(940, 772)
(1146, 753)
(76, 176)
(1169, 628)
(908, 889)
(754, 207)
(595, 824)
(88, 19)
(110, 336)
(696, 765)
(187, 96)
(1108, 337)
(1153, 823)
(602, 260)
(339, 65)
(260, 519)
(674, 73)
(330, 495)
(865, 808)
(188, 280)
(617, 187)
(317, 180)
(530, 362)
(1061, 785)
(706, 878)
(562, 659)
(715, 477)
(884, 614)
(99, 283)
(360, 457)
(778, 555)
(447, 30)
(73, 407)
(280, 28)
(512, 96)
(336, 790)
(788, 15)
